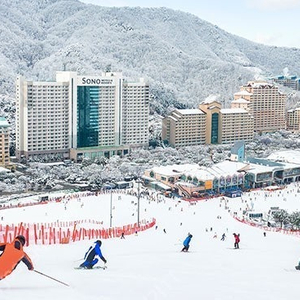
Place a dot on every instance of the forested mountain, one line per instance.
(185, 59)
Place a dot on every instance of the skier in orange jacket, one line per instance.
(12, 254)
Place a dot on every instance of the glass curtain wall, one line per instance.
(87, 116)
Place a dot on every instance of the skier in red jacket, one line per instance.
(236, 240)
(12, 254)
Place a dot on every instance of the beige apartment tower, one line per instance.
(267, 105)
(293, 119)
(4, 142)
(184, 127)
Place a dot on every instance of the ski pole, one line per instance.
(78, 260)
(50, 277)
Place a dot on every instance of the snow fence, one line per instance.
(266, 228)
(66, 232)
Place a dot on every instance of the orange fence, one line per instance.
(50, 233)
(266, 228)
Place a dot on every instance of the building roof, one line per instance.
(243, 93)
(174, 170)
(194, 111)
(3, 122)
(258, 165)
(287, 156)
(2, 170)
(240, 100)
(258, 84)
(233, 111)
(210, 100)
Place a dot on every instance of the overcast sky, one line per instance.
(271, 22)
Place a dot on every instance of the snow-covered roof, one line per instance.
(227, 167)
(293, 109)
(200, 174)
(243, 93)
(209, 100)
(287, 156)
(3, 122)
(174, 170)
(2, 170)
(240, 100)
(194, 111)
(233, 111)
(258, 84)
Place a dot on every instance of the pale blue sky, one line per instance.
(271, 22)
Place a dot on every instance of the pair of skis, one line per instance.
(96, 267)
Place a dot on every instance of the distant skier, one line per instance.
(186, 243)
(236, 240)
(298, 266)
(223, 237)
(12, 254)
(89, 256)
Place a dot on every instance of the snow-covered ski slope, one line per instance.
(150, 265)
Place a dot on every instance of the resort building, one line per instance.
(210, 124)
(228, 177)
(293, 119)
(81, 116)
(184, 127)
(4, 142)
(267, 105)
(292, 82)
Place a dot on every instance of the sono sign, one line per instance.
(93, 81)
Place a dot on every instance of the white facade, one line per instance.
(42, 117)
(99, 115)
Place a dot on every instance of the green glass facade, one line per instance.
(87, 116)
(214, 128)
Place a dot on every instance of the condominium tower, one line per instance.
(4, 142)
(293, 119)
(81, 116)
(267, 105)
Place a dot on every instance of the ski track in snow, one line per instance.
(150, 265)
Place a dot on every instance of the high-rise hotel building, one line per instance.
(81, 116)
(266, 105)
(4, 142)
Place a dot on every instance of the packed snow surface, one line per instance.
(150, 265)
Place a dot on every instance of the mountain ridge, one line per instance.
(184, 58)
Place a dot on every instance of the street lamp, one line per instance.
(138, 181)
(110, 223)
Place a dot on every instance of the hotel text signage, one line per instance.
(94, 81)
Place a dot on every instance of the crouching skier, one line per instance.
(12, 254)
(89, 256)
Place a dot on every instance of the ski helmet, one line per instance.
(99, 242)
(21, 238)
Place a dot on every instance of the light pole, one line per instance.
(138, 203)
(110, 223)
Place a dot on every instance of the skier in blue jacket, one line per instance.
(186, 243)
(89, 256)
